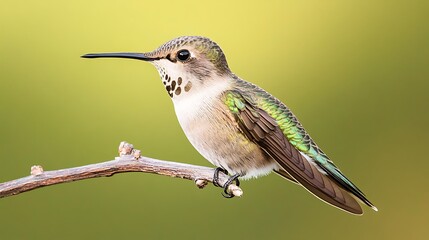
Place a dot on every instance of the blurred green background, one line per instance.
(354, 72)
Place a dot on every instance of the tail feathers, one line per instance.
(342, 198)
(345, 183)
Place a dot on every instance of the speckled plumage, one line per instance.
(240, 127)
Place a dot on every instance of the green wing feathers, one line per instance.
(301, 140)
(270, 124)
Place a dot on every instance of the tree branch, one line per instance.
(129, 161)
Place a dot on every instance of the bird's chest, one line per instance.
(210, 127)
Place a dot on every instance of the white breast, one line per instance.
(198, 101)
(195, 112)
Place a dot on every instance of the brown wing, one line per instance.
(261, 128)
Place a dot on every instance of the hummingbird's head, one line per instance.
(193, 54)
(184, 63)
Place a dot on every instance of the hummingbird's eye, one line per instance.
(183, 55)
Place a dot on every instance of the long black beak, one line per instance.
(139, 56)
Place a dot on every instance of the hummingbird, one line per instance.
(240, 128)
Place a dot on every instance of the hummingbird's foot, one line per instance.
(216, 176)
(232, 179)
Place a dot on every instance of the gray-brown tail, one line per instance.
(342, 199)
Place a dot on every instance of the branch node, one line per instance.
(137, 154)
(36, 170)
(201, 183)
(125, 148)
(235, 190)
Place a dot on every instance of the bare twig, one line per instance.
(129, 161)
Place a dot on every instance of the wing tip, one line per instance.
(356, 211)
(364, 200)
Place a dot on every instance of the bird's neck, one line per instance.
(201, 98)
